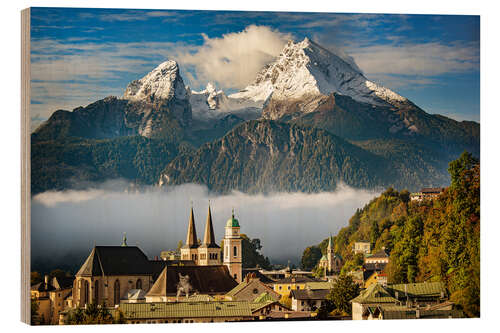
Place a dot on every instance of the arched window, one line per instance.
(138, 284)
(96, 292)
(117, 292)
(235, 250)
(85, 292)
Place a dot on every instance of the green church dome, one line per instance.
(232, 222)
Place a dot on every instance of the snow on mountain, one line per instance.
(162, 83)
(211, 103)
(306, 68)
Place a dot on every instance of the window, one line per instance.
(138, 284)
(117, 292)
(235, 251)
(85, 292)
(96, 292)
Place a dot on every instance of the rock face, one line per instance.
(155, 106)
(308, 69)
(161, 97)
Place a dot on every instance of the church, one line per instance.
(208, 253)
(111, 272)
(331, 262)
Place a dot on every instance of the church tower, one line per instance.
(189, 251)
(209, 251)
(232, 248)
(330, 254)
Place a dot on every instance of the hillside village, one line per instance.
(207, 282)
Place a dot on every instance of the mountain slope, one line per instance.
(266, 156)
(76, 163)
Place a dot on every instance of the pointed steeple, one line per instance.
(191, 238)
(124, 240)
(209, 239)
(330, 243)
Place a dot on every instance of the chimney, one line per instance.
(46, 278)
(156, 258)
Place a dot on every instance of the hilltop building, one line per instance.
(363, 247)
(427, 193)
(380, 257)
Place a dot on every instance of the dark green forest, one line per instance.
(75, 162)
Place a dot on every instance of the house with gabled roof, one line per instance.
(176, 282)
(409, 295)
(251, 288)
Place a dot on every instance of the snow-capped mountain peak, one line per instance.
(306, 68)
(162, 83)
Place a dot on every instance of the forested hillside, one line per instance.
(428, 241)
(73, 162)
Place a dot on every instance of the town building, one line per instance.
(250, 289)
(363, 247)
(394, 297)
(110, 272)
(264, 305)
(186, 312)
(50, 295)
(403, 312)
(286, 285)
(307, 299)
(427, 193)
(177, 282)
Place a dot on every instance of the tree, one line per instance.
(344, 290)
(456, 168)
(319, 272)
(404, 195)
(251, 255)
(58, 273)
(374, 232)
(310, 257)
(36, 277)
(179, 245)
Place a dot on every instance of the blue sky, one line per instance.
(82, 55)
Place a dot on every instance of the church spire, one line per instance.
(209, 238)
(191, 238)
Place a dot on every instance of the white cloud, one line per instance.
(286, 223)
(233, 60)
(426, 59)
